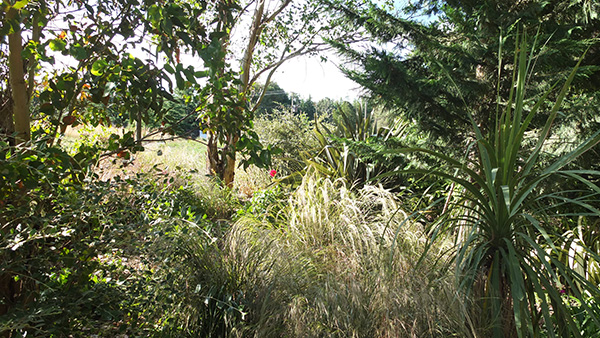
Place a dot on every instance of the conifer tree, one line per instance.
(441, 57)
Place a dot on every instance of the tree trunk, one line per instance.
(229, 171)
(221, 162)
(138, 128)
(17, 82)
(212, 155)
(7, 126)
(14, 109)
(229, 152)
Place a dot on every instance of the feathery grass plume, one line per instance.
(326, 268)
(322, 267)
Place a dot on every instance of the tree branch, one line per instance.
(35, 37)
(276, 12)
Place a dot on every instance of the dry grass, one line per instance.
(342, 264)
(185, 154)
(250, 180)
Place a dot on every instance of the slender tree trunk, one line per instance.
(255, 32)
(221, 162)
(17, 82)
(212, 155)
(18, 111)
(138, 128)
(7, 126)
(229, 163)
(218, 160)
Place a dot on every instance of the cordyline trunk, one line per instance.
(17, 83)
(485, 318)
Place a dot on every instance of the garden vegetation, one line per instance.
(163, 197)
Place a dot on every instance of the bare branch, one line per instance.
(255, 32)
(320, 47)
(276, 12)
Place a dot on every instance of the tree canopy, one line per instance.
(442, 57)
(236, 42)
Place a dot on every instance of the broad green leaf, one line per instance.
(20, 4)
(179, 80)
(185, 37)
(168, 26)
(189, 74)
(78, 52)
(154, 13)
(58, 45)
(98, 67)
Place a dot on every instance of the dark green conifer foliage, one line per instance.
(441, 57)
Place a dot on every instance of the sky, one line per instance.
(311, 77)
(307, 76)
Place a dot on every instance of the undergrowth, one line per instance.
(156, 253)
(329, 263)
(78, 254)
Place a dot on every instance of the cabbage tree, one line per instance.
(506, 253)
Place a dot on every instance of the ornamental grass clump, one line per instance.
(323, 266)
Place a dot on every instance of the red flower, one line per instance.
(273, 172)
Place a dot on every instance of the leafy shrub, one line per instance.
(53, 232)
(180, 116)
(289, 132)
(200, 196)
(265, 204)
(77, 253)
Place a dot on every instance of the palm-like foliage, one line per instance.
(576, 249)
(506, 255)
(338, 156)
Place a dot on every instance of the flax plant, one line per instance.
(337, 158)
(506, 252)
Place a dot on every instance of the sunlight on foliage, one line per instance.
(506, 253)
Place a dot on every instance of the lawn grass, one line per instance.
(185, 154)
